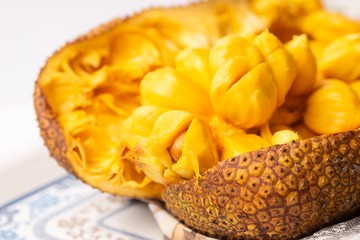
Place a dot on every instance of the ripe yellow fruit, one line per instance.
(284, 136)
(233, 46)
(194, 64)
(324, 25)
(166, 87)
(213, 108)
(244, 95)
(340, 58)
(234, 141)
(356, 87)
(333, 107)
(281, 63)
(180, 146)
(306, 65)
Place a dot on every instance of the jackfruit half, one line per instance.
(236, 114)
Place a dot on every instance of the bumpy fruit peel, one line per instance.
(283, 192)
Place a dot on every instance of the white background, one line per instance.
(30, 31)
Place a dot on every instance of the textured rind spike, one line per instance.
(50, 130)
(294, 203)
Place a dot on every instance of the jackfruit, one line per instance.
(215, 109)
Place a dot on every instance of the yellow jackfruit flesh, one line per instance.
(167, 88)
(239, 70)
(284, 136)
(356, 87)
(324, 25)
(333, 107)
(305, 79)
(281, 63)
(161, 97)
(341, 57)
(225, 91)
(180, 146)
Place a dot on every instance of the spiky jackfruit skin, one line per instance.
(281, 192)
(50, 130)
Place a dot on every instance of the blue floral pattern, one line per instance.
(68, 209)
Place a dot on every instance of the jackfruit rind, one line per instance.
(280, 192)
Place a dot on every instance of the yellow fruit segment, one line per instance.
(340, 58)
(167, 88)
(233, 46)
(194, 64)
(243, 95)
(281, 63)
(239, 142)
(140, 124)
(356, 87)
(178, 147)
(306, 65)
(333, 107)
(324, 25)
(284, 136)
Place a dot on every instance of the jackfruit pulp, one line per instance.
(161, 97)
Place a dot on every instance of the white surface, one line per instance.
(24, 161)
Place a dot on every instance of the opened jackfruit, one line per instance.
(216, 109)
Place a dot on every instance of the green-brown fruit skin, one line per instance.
(281, 192)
